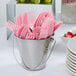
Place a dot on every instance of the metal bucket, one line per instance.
(34, 53)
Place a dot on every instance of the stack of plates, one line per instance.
(71, 56)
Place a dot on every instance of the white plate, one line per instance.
(70, 59)
(71, 54)
(74, 68)
(71, 63)
(71, 70)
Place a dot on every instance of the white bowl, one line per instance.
(71, 45)
(66, 39)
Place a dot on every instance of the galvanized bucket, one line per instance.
(34, 53)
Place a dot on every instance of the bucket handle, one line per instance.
(51, 47)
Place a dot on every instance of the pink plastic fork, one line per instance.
(24, 32)
(31, 17)
(18, 20)
(42, 16)
(46, 29)
(28, 27)
(24, 19)
(30, 36)
(57, 25)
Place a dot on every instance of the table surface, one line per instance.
(54, 67)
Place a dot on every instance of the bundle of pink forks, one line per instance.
(28, 26)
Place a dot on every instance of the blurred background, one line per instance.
(68, 1)
(3, 10)
(69, 11)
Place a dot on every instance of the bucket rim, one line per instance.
(32, 39)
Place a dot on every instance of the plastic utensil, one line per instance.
(45, 29)
(42, 16)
